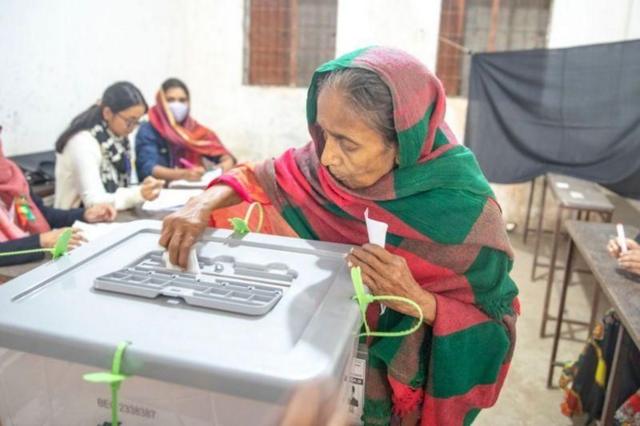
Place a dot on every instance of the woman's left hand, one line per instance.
(387, 274)
(100, 213)
(384, 273)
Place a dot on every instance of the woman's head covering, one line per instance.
(189, 137)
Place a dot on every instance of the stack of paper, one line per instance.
(201, 184)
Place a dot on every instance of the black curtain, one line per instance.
(574, 111)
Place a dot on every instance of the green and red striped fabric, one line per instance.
(444, 220)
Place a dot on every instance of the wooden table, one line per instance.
(575, 195)
(620, 287)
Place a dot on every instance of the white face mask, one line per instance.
(180, 110)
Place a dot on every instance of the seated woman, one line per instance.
(379, 142)
(93, 163)
(172, 145)
(26, 223)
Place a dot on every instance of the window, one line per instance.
(486, 26)
(286, 40)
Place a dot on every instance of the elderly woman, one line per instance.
(379, 142)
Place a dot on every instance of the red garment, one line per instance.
(14, 188)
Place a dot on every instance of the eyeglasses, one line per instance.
(130, 123)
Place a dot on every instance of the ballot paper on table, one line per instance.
(377, 230)
(192, 263)
(93, 231)
(203, 183)
(170, 199)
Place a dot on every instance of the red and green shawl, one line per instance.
(443, 219)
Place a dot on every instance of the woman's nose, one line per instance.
(329, 155)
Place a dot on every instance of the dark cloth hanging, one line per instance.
(574, 111)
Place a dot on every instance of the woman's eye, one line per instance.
(348, 146)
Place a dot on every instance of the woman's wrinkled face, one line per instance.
(122, 123)
(355, 154)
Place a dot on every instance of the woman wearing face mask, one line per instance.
(93, 162)
(172, 145)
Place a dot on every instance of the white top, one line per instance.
(78, 177)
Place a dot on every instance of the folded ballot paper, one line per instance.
(192, 263)
(377, 235)
(377, 230)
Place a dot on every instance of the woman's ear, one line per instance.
(107, 114)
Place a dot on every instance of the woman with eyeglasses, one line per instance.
(172, 145)
(93, 163)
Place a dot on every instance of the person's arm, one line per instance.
(181, 229)
(86, 157)
(151, 161)
(57, 218)
(149, 152)
(168, 174)
(27, 243)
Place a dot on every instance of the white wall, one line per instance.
(582, 22)
(59, 56)
(412, 25)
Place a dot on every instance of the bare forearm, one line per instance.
(217, 197)
(166, 173)
(424, 299)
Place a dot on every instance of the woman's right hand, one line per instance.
(180, 230)
(150, 188)
(50, 238)
(614, 248)
(194, 174)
